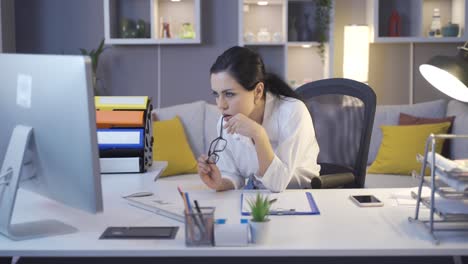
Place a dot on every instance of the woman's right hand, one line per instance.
(209, 173)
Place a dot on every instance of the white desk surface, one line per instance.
(342, 228)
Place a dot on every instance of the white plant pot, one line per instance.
(259, 231)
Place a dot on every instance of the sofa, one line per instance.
(199, 120)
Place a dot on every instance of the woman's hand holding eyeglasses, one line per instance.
(209, 173)
(243, 125)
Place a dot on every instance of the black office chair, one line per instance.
(343, 112)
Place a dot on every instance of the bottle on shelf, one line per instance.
(436, 27)
(395, 24)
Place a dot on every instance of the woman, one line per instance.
(266, 133)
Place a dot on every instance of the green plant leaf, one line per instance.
(260, 208)
(100, 49)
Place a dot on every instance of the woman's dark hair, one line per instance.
(248, 69)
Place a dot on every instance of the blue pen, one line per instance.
(195, 219)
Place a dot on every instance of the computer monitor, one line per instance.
(47, 138)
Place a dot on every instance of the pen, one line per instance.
(197, 207)
(195, 219)
(183, 199)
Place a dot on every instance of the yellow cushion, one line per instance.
(400, 144)
(170, 144)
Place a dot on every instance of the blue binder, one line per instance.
(313, 210)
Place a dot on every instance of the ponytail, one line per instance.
(276, 86)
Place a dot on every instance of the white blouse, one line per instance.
(289, 127)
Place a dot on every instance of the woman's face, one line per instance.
(231, 97)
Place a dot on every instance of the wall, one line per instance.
(64, 26)
(59, 27)
(7, 26)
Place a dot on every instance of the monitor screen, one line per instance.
(47, 105)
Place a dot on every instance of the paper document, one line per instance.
(408, 196)
(457, 169)
(287, 203)
(448, 171)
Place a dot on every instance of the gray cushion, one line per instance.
(192, 116)
(212, 116)
(389, 114)
(459, 147)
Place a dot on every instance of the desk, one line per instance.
(342, 229)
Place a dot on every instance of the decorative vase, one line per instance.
(450, 30)
(302, 27)
(140, 27)
(249, 37)
(292, 32)
(127, 28)
(263, 35)
(277, 37)
(259, 231)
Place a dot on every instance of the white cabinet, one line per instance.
(139, 22)
(286, 34)
(410, 20)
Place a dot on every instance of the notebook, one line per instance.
(287, 203)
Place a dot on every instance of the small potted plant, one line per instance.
(260, 208)
(94, 55)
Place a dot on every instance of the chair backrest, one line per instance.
(343, 112)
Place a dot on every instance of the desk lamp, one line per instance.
(449, 74)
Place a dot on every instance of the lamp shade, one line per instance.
(448, 74)
(356, 52)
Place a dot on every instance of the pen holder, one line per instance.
(199, 227)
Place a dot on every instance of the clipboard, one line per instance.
(288, 203)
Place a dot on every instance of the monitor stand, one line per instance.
(10, 176)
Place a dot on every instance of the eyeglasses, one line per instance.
(217, 145)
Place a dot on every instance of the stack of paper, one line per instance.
(453, 174)
(125, 133)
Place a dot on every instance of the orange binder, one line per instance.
(109, 119)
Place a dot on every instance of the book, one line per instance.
(109, 119)
(122, 165)
(287, 203)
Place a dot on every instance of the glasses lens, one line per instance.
(220, 145)
(213, 158)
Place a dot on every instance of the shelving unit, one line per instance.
(292, 51)
(415, 20)
(151, 13)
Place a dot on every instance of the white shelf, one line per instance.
(151, 12)
(263, 43)
(418, 40)
(129, 41)
(302, 44)
(300, 63)
(416, 17)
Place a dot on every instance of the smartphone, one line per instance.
(366, 200)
